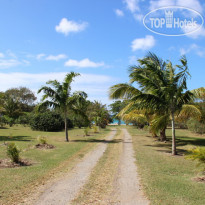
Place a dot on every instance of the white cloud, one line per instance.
(11, 54)
(65, 26)
(119, 12)
(95, 85)
(40, 56)
(155, 4)
(132, 5)
(199, 33)
(56, 58)
(1, 55)
(143, 43)
(193, 47)
(7, 63)
(138, 17)
(193, 4)
(83, 63)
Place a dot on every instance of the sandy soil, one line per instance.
(65, 190)
(127, 186)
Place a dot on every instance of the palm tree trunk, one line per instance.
(174, 152)
(66, 129)
(163, 135)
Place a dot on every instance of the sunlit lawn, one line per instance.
(169, 179)
(14, 180)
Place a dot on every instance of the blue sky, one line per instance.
(43, 39)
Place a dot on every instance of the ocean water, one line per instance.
(115, 121)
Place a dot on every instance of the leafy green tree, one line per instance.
(162, 89)
(78, 110)
(99, 114)
(116, 107)
(23, 96)
(59, 96)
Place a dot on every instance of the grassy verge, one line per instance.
(168, 180)
(100, 185)
(17, 182)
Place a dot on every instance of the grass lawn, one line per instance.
(168, 179)
(17, 182)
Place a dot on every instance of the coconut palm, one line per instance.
(162, 89)
(58, 96)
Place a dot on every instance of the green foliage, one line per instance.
(95, 129)
(24, 119)
(13, 152)
(42, 140)
(58, 96)
(197, 154)
(196, 126)
(162, 89)
(9, 120)
(23, 96)
(47, 121)
(146, 128)
(98, 113)
(80, 122)
(86, 131)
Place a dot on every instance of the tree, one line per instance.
(99, 114)
(58, 96)
(23, 96)
(162, 89)
(116, 107)
(78, 110)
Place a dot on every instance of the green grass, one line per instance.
(16, 181)
(166, 179)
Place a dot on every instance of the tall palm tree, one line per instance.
(58, 96)
(162, 89)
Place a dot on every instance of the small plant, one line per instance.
(95, 129)
(86, 131)
(146, 128)
(42, 140)
(13, 152)
(197, 154)
(10, 135)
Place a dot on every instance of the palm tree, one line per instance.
(162, 89)
(58, 96)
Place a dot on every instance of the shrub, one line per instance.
(9, 120)
(95, 129)
(146, 128)
(13, 152)
(80, 121)
(197, 154)
(196, 126)
(86, 131)
(42, 140)
(23, 119)
(48, 121)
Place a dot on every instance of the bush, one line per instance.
(42, 140)
(86, 131)
(9, 120)
(48, 121)
(13, 152)
(79, 121)
(24, 119)
(196, 126)
(197, 154)
(95, 129)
